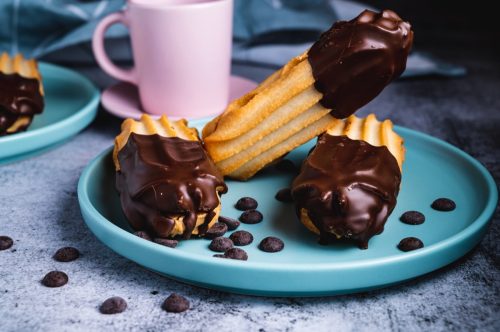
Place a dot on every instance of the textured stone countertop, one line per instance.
(39, 210)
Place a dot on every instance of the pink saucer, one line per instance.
(122, 99)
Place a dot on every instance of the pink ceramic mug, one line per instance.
(182, 54)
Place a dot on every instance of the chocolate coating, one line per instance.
(163, 177)
(19, 96)
(348, 188)
(354, 60)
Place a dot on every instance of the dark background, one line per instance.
(444, 24)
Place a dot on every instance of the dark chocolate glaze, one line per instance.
(165, 176)
(354, 60)
(348, 188)
(19, 96)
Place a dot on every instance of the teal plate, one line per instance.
(432, 169)
(71, 103)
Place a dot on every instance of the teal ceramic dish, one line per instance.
(432, 169)
(71, 103)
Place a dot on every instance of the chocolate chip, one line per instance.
(5, 242)
(231, 224)
(410, 243)
(155, 292)
(286, 165)
(241, 238)
(219, 256)
(271, 244)
(175, 303)
(251, 217)
(66, 254)
(218, 229)
(166, 242)
(220, 244)
(113, 305)
(246, 203)
(55, 279)
(443, 204)
(284, 195)
(412, 218)
(143, 235)
(236, 253)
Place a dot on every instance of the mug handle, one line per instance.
(127, 75)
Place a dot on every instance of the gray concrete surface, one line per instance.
(39, 210)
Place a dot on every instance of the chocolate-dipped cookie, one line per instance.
(348, 185)
(21, 93)
(168, 185)
(345, 69)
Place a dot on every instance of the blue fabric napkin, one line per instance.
(256, 19)
(267, 32)
(39, 27)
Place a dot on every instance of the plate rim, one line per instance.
(55, 132)
(474, 227)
